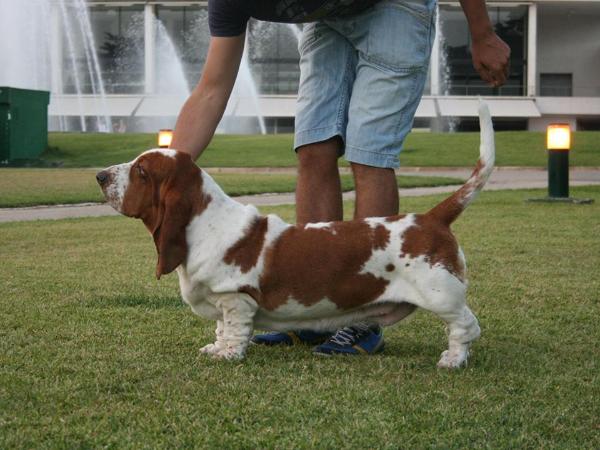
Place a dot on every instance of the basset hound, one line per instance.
(246, 270)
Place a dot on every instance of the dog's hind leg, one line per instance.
(463, 328)
(448, 301)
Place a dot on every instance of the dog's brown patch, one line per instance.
(447, 211)
(312, 264)
(246, 251)
(381, 237)
(252, 292)
(430, 238)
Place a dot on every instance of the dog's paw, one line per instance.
(211, 349)
(453, 360)
(230, 353)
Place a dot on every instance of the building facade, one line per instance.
(151, 53)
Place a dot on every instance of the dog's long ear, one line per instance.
(178, 199)
(169, 234)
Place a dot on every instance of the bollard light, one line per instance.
(558, 143)
(164, 138)
(558, 137)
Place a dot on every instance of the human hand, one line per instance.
(491, 58)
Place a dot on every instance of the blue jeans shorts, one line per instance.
(362, 77)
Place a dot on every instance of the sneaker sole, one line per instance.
(378, 349)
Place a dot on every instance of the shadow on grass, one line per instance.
(135, 301)
(413, 348)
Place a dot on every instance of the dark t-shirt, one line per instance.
(229, 17)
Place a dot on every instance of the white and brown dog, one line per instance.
(248, 271)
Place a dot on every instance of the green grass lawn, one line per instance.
(514, 148)
(27, 187)
(95, 353)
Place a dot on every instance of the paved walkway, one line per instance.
(502, 178)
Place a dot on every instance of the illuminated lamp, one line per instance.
(164, 138)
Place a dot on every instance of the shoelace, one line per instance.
(349, 335)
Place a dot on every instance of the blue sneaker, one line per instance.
(359, 339)
(291, 338)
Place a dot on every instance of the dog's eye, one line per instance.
(140, 170)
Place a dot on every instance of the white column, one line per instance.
(434, 66)
(56, 49)
(150, 48)
(532, 51)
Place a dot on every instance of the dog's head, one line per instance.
(164, 189)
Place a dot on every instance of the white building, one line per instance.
(555, 65)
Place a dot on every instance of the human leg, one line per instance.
(393, 42)
(376, 196)
(327, 63)
(376, 191)
(318, 199)
(318, 190)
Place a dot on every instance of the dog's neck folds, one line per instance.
(218, 227)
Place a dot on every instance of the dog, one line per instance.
(247, 271)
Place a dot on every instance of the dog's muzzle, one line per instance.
(102, 177)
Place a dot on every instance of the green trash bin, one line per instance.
(23, 123)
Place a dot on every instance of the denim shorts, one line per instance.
(362, 77)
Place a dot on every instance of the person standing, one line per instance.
(363, 67)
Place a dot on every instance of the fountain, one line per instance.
(28, 56)
(446, 123)
(173, 84)
(75, 14)
(244, 89)
(52, 47)
(25, 56)
(171, 76)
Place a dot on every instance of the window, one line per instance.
(186, 27)
(556, 84)
(119, 35)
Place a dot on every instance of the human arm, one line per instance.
(204, 108)
(491, 55)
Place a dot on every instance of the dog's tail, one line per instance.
(450, 209)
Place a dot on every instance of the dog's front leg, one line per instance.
(219, 344)
(238, 322)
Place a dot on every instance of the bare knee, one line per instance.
(320, 159)
(376, 191)
(363, 171)
(319, 192)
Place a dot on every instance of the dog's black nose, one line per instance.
(102, 176)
